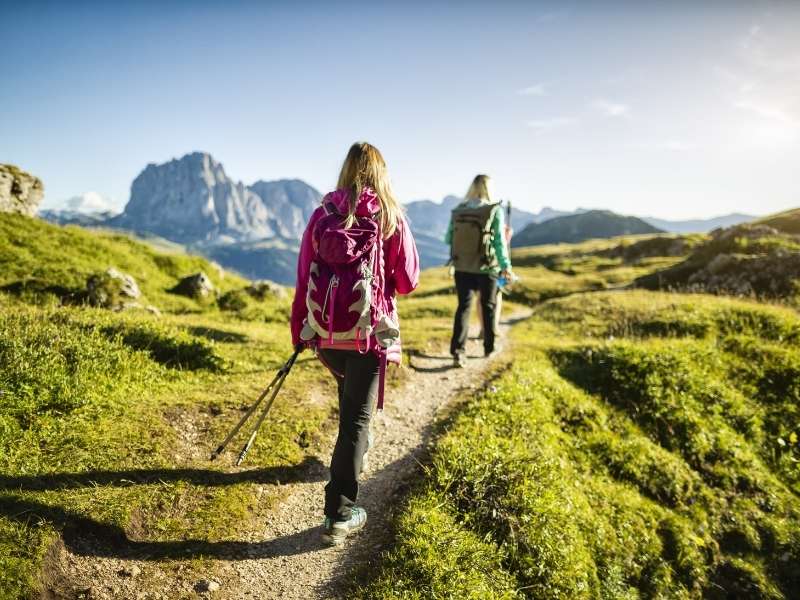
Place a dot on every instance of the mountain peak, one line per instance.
(191, 199)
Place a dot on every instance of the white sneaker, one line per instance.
(337, 531)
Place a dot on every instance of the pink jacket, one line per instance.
(400, 258)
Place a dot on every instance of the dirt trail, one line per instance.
(284, 557)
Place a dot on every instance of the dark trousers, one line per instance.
(466, 285)
(358, 389)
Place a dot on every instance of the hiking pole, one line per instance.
(281, 374)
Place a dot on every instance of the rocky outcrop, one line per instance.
(111, 289)
(20, 192)
(194, 286)
(192, 200)
(747, 260)
(263, 289)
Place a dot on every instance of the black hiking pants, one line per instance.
(358, 390)
(466, 285)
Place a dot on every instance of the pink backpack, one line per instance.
(345, 295)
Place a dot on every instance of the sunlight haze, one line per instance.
(672, 110)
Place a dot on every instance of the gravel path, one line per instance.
(284, 557)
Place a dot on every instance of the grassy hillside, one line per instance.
(45, 262)
(786, 222)
(107, 419)
(555, 270)
(760, 260)
(647, 447)
(641, 444)
(579, 227)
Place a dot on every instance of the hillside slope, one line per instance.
(41, 259)
(785, 222)
(107, 418)
(760, 259)
(579, 227)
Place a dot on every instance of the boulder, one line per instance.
(194, 286)
(264, 288)
(111, 289)
(20, 192)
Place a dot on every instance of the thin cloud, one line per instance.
(533, 90)
(611, 109)
(766, 110)
(764, 81)
(545, 125)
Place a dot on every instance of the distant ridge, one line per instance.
(580, 227)
(699, 225)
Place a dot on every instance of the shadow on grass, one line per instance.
(85, 536)
(310, 470)
(218, 335)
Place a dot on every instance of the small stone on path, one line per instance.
(132, 571)
(206, 586)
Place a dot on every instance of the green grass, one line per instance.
(787, 221)
(44, 262)
(556, 270)
(107, 419)
(95, 408)
(645, 448)
(642, 445)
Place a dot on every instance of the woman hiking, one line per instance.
(357, 253)
(479, 255)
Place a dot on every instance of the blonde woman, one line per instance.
(357, 253)
(479, 254)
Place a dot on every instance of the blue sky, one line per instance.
(670, 109)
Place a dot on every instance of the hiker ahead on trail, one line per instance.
(357, 252)
(479, 255)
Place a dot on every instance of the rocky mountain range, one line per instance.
(255, 229)
(192, 200)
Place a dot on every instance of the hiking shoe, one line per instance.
(336, 531)
(459, 361)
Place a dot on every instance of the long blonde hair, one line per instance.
(479, 189)
(364, 167)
